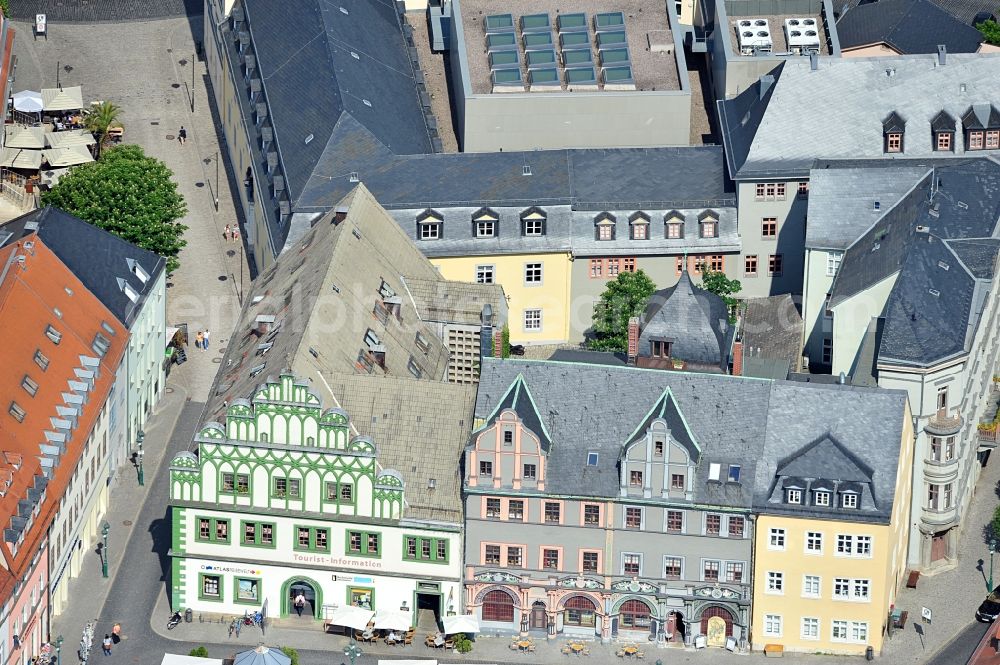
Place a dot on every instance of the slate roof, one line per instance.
(740, 117)
(323, 307)
(907, 26)
(836, 112)
(832, 432)
(943, 270)
(964, 10)
(771, 332)
(98, 259)
(694, 320)
(778, 420)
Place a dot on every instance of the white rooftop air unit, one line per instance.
(801, 35)
(754, 36)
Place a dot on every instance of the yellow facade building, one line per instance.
(537, 287)
(831, 538)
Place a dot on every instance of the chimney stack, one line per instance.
(498, 344)
(633, 339)
(813, 61)
(737, 358)
(942, 54)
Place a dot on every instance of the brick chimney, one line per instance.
(737, 358)
(633, 339)
(498, 344)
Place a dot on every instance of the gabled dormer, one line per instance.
(533, 222)
(430, 225)
(708, 224)
(981, 124)
(604, 226)
(659, 458)
(511, 447)
(673, 225)
(943, 132)
(823, 475)
(893, 128)
(638, 226)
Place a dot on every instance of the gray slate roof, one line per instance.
(836, 112)
(740, 117)
(694, 320)
(771, 332)
(908, 26)
(964, 10)
(98, 259)
(944, 269)
(777, 420)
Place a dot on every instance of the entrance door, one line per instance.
(716, 625)
(538, 621)
(939, 546)
(716, 632)
(301, 590)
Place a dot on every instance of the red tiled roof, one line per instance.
(37, 291)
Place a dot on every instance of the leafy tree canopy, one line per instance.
(128, 194)
(716, 282)
(991, 32)
(625, 297)
(291, 653)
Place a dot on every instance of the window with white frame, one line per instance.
(814, 542)
(772, 625)
(821, 498)
(532, 319)
(734, 571)
(633, 517)
(839, 631)
(776, 540)
(811, 586)
(810, 628)
(631, 563)
(775, 582)
(533, 273)
(857, 546)
(833, 263)
(845, 545)
(793, 496)
(485, 274)
(861, 590)
(710, 570)
(859, 632)
(849, 500)
(841, 588)
(486, 228)
(863, 546)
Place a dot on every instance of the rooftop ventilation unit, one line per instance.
(801, 35)
(497, 23)
(576, 22)
(754, 36)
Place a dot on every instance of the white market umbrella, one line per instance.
(70, 156)
(22, 136)
(262, 655)
(392, 620)
(69, 98)
(28, 101)
(462, 623)
(351, 617)
(69, 137)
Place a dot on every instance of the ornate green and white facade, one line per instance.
(282, 498)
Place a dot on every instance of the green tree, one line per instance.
(991, 32)
(128, 194)
(199, 652)
(996, 523)
(505, 341)
(291, 653)
(624, 297)
(5, 7)
(99, 119)
(716, 282)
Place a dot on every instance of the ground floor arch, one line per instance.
(309, 589)
(716, 625)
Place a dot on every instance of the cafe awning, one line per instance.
(28, 101)
(62, 99)
(351, 617)
(69, 137)
(462, 623)
(20, 158)
(71, 156)
(393, 620)
(22, 136)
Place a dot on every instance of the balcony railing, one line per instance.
(944, 423)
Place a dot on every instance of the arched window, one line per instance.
(580, 611)
(635, 615)
(498, 606)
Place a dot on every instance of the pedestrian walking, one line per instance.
(204, 343)
(182, 135)
(228, 233)
(106, 644)
(300, 603)
(236, 233)
(199, 340)
(116, 633)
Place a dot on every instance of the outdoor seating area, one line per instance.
(630, 651)
(523, 645)
(575, 649)
(438, 641)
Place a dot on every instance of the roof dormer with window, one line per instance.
(708, 224)
(981, 124)
(893, 128)
(430, 225)
(660, 457)
(638, 226)
(673, 223)
(485, 223)
(533, 222)
(943, 132)
(822, 477)
(604, 226)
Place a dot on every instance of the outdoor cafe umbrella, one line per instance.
(351, 617)
(70, 156)
(392, 620)
(62, 99)
(262, 655)
(19, 158)
(22, 136)
(463, 623)
(28, 101)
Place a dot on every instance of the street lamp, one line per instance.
(206, 162)
(59, 641)
(104, 552)
(353, 651)
(139, 437)
(993, 549)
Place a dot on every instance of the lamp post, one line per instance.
(993, 549)
(353, 651)
(140, 437)
(104, 552)
(59, 641)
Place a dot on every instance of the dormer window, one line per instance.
(943, 132)
(981, 124)
(674, 222)
(484, 223)
(943, 141)
(734, 473)
(639, 226)
(605, 226)
(430, 224)
(793, 496)
(821, 498)
(533, 222)
(709, 223)
(849, 500)
(892, 129)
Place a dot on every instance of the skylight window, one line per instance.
(714, 470)
(138, 270)
(592, 459)
(54, 335)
